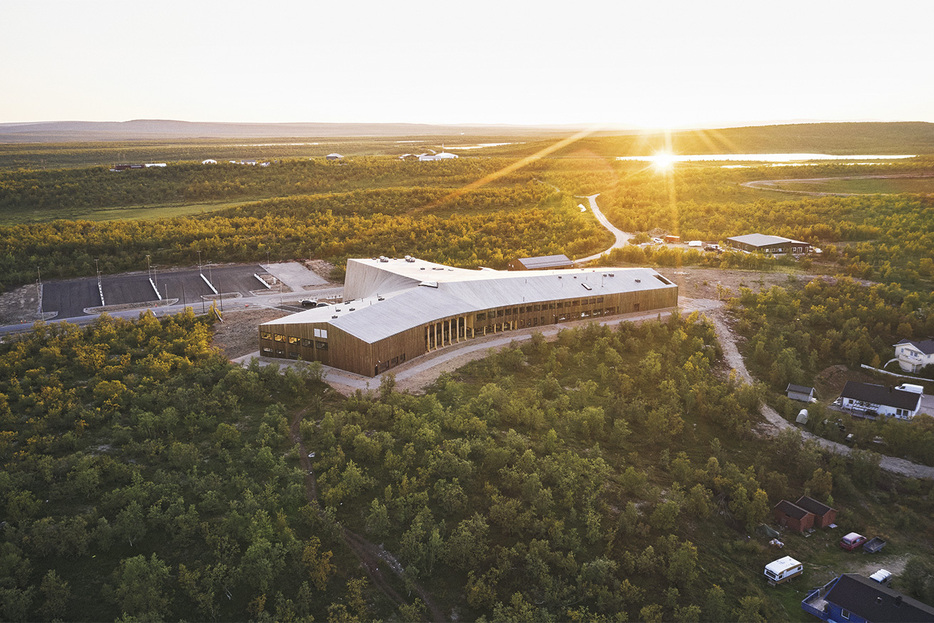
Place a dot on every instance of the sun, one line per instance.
(663, 161)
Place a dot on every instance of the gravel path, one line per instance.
(777, 423)
(622, 238)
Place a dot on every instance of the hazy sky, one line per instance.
(648, 63)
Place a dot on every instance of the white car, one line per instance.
(658, 241)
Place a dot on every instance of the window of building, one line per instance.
(481, 317)
(266, 335)
(845, 614)
(500, 313)
(266, 349)
(321, 345)
(307, 343)
(279, 337)
(294, 340)
(322, 333)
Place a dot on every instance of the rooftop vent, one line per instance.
(586, 287)
(422, 268)
(638, 281)
(352, 309)
(612, 274)
(383, 258)
(334, 316)
(663, 280)
(380, 298)
(409, 259)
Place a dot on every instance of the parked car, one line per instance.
(852, 541)
(309, 303)
(873, 545)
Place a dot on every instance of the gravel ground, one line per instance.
(238, 335)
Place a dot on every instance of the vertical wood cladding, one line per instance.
(321, 341)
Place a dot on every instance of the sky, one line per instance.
(613, 63)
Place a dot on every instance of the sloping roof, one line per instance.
(792, 510)
(763, 240)
(873, 601)
(813, 506)
(925, 346)
(546, 261)
(799, 389)
(426, 292)
(881, 395)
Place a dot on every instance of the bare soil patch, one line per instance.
(238, 334)
(830, 381)
(701, 283)
(320, 267)
(19, 305)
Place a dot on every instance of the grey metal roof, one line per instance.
(460, 291)
(881, 395)
(546, 261)
(799, 389)
(763, 240)
(925, 346)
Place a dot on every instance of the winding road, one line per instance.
(622, 238)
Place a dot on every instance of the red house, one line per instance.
(793, 516)
(823, 514)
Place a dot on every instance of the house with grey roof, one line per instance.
(871, 399)
(913, 355)
(772, 245)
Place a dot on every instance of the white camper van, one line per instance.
(783, 569)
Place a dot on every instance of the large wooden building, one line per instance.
(397, 309)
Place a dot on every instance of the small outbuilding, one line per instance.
(334, 157)
(544, 262)
(793, 516)
(823, 515)
(800, 393)
(802, 417)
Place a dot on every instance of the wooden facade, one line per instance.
(322, 341)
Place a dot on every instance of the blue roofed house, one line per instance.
(853, 598)
(913, 355)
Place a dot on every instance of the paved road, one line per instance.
(622, 238)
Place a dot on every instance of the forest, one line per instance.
(468, 212)
(610, 475)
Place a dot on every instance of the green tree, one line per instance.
(140, 587)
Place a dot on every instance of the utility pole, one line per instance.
(39, 289)
(199, 262)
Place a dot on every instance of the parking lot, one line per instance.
(70, 298)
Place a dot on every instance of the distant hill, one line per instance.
(143, 129)
(863, 138)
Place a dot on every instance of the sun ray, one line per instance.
(515, 166)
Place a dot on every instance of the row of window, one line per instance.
(528, 309)
(293, 340)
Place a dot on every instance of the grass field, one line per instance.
(859, 186)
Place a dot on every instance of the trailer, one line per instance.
(873, 545)
(782, 570)
(851, 541)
